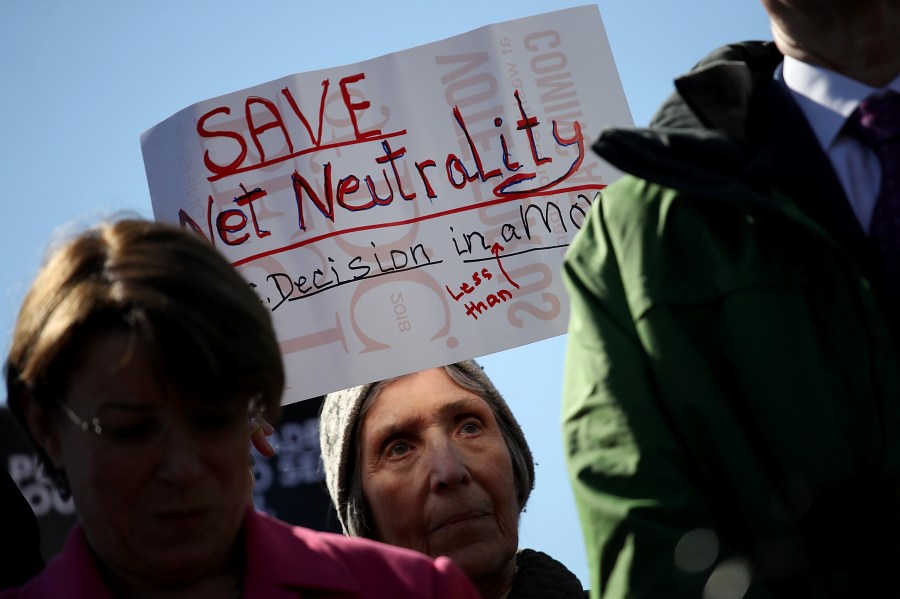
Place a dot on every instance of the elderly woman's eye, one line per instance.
(398, 449)
(470, 428)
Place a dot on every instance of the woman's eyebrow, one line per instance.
(382, 431)
(400, 427)
(390, 430)
(465, 403)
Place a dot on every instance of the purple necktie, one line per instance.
(876, 122)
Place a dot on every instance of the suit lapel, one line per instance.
(801, 169)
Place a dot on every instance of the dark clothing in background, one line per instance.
(20, 555)
(539, 576)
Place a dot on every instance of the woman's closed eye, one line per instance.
(132, 430)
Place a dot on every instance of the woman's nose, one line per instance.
(180, 462)
(447, 466)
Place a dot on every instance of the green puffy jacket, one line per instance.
(732, 389)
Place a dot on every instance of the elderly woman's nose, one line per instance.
(447, 467)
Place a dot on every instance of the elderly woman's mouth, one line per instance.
(459, 520)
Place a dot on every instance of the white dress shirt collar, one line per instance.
(826, 100)
(825, 97)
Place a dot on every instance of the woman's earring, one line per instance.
(62, 485)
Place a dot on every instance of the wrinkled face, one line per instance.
(163, 507)
(437, 474)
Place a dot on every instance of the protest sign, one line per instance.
(407, 211)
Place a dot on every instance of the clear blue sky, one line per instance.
(82, 80)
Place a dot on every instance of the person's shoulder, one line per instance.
(395, 571)
(757, 53)
(620, 210)
(539, 575)
(414, 572)
(316, 540)
(57, 580)
(354, 548)
(71, 573)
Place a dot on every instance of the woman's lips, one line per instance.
(457, 519)
(181, 514)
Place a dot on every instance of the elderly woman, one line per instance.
(435, 461)
(138, 359)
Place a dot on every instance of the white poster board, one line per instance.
(407, 211)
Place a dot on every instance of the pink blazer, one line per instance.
(282, 561)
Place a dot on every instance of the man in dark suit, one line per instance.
(732, 391)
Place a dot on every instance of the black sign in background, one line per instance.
(54, 515)
(290, 485)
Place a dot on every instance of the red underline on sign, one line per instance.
(312, 150)
(506, 198)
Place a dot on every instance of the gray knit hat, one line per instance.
(337, 425)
